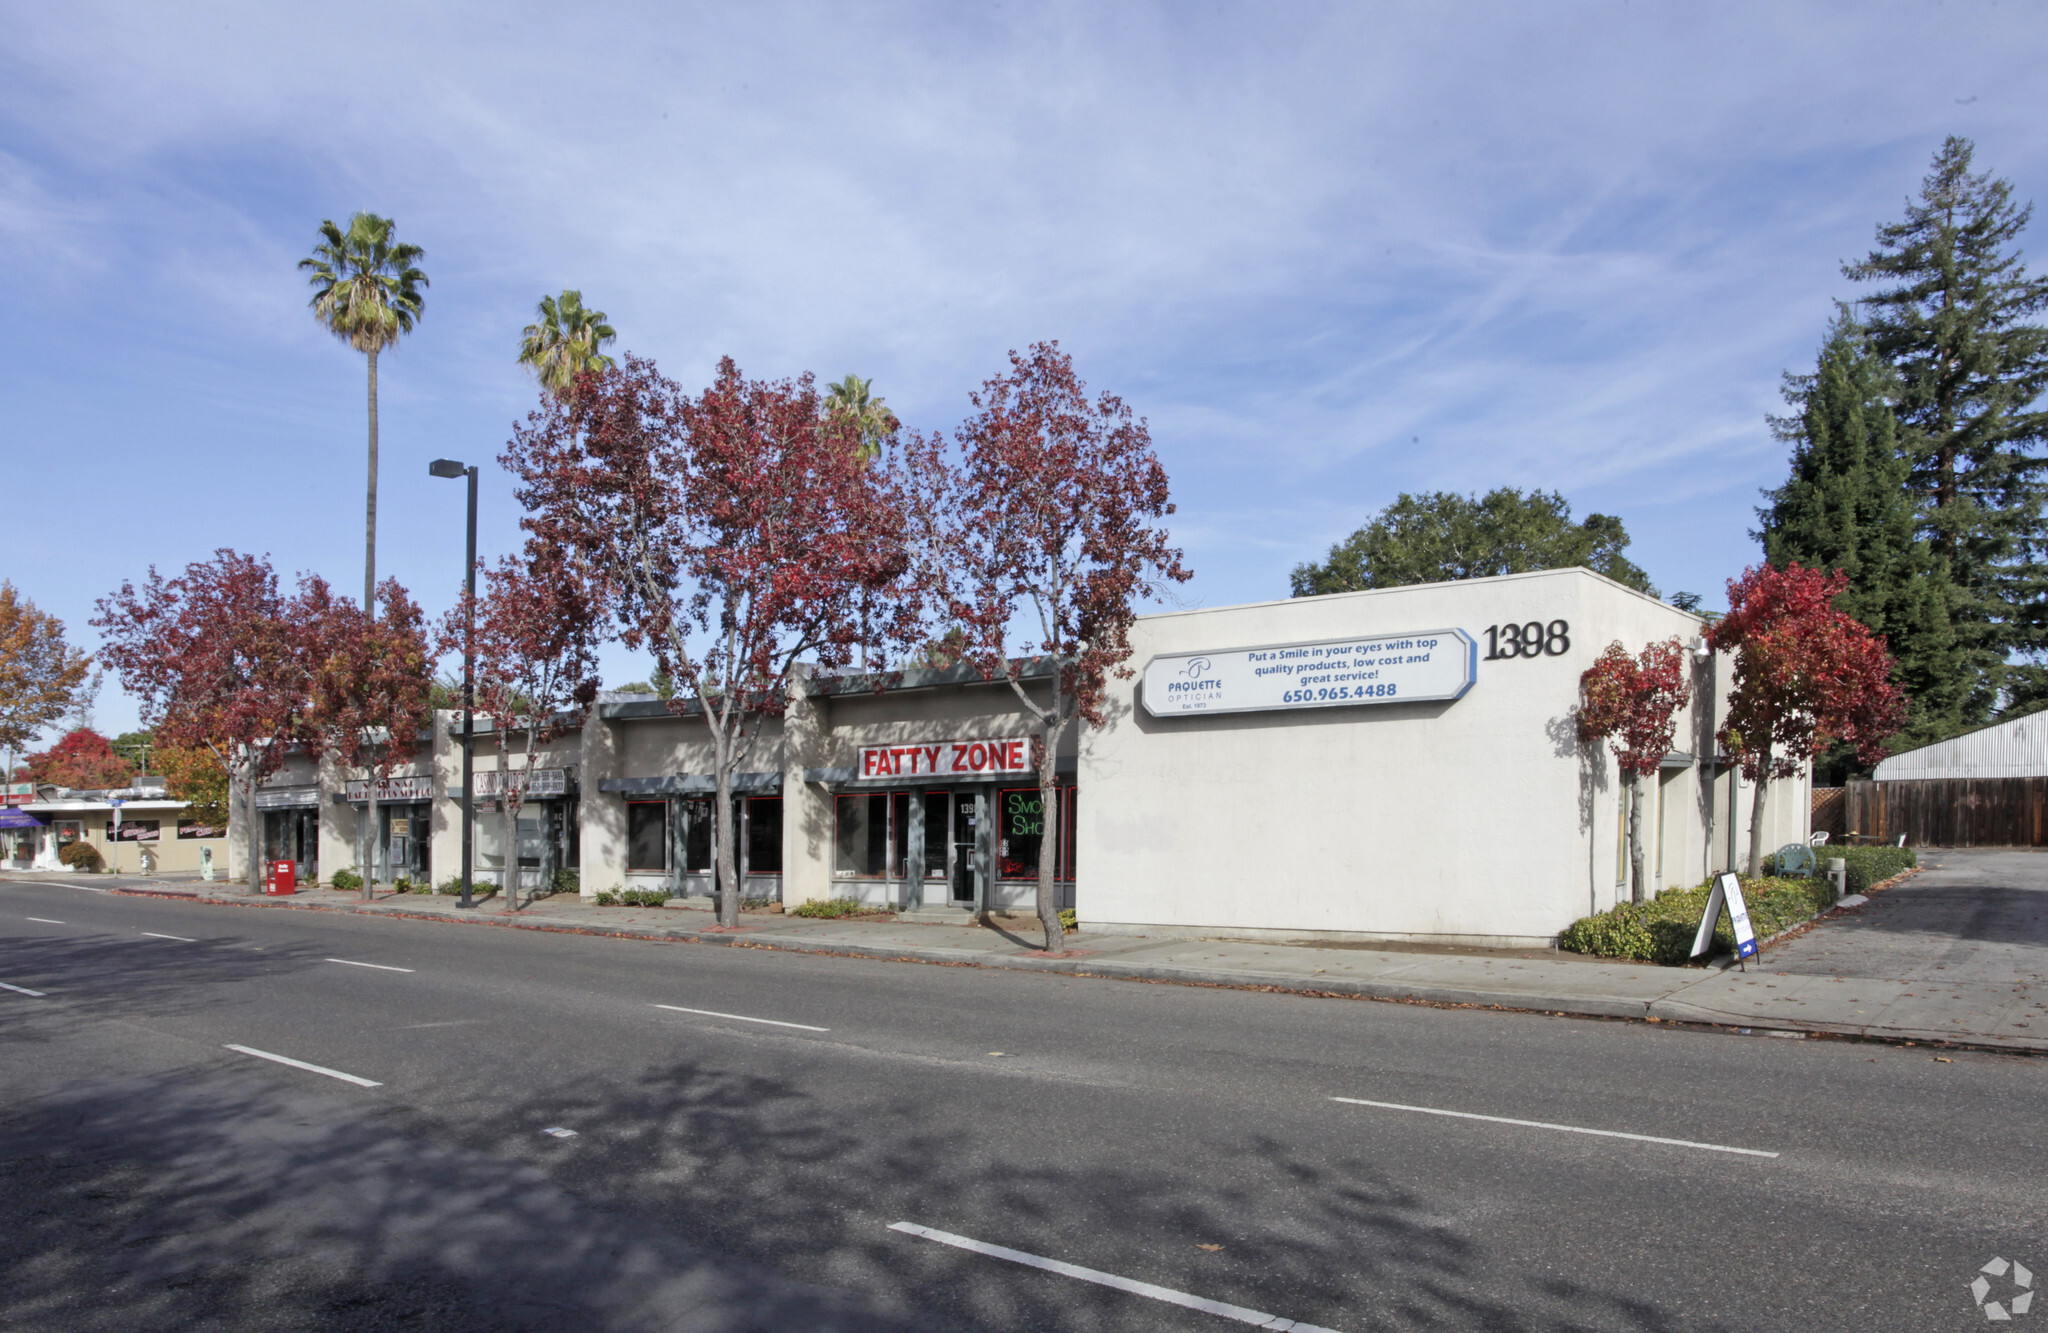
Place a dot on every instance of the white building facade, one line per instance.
(1399, 764)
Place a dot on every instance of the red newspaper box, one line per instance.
(284, 877)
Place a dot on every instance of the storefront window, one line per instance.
(139, 830)
(697, 835)
(647, 835)
(764, 835)
(1021, 833)
(861, 834)
(936, 806)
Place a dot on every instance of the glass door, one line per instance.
(963, 846)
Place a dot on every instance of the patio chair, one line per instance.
(1819, 839)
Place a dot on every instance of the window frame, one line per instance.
(667, 852)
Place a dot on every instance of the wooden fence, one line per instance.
(1949, 812)
(1830, 812)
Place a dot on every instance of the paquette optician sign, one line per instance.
(1333, 673)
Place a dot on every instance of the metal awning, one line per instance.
(19, 819)
(693, 784)
(304, 796)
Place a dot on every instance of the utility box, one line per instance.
(1838, 871)
(284, 877)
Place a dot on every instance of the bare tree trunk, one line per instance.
(370, 838)
(1756, 816)
(370, 512)
(726, 861)
(1635, 837)
(508, 824)
(1048, 845)
(254, 819)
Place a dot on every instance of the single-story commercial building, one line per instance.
(1400, 763)
(138, 830)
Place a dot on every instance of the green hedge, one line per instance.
(1661, 930)
(835, 907)
(1867, 865)
(346, 879)
(631, 897)
(82, 856)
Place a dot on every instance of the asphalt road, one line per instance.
(736, 1174)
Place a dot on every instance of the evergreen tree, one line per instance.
(1439, 536)
(1848, 507)
(1957, 325)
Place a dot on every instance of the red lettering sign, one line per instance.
(946, 759)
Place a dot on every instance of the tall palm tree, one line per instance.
(366, 290)
(855, 397)
(567, 340)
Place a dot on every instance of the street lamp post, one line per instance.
(448, 467)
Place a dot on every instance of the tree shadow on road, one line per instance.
(233, 1200)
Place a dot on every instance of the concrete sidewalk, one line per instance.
(2009, 1013)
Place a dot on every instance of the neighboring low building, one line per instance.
(137, 830)
(1402, 763)
(1984, 788)
(2014, 749)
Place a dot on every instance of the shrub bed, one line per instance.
(81, 856)
(1661, 930)
(1866, 865)
(833, 908)
(631, 897)
(1869, 865)
(346, 879)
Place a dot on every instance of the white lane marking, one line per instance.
(1568, 1129)
(1256, 1318)
(45, 920)
(179, 938)
(23, 990)
(301, 1064)
(713, 1013)
(381, 967)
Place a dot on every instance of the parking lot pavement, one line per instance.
(1971, 917)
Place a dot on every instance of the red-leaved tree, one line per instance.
(215, 662)
(733, 534)
(369, 681)
(1632, 702)
(1048, 526)
(537, 629)
(1806, 675)
(81, 759)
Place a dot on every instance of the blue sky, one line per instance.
(1333, 252)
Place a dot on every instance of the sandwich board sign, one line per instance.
(1728, 891)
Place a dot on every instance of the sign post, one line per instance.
(1727, 892)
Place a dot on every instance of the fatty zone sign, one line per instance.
(961, 758)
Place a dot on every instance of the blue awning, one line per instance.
(18, 819)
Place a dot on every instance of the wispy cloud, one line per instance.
(1332, 254)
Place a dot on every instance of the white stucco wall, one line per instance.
(1481, 818)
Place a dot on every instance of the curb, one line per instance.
(1668, 1010)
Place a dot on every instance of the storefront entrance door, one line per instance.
(963, 847)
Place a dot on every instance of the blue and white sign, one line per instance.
(1727, 893)
(1336, 673)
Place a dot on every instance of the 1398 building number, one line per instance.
(1534, 639)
